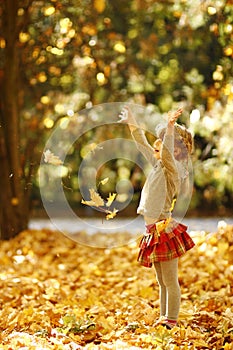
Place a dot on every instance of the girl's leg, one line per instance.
(169, 271)
(162, 289)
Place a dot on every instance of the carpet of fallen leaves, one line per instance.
(58, 294)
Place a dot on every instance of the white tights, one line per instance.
(169, 288)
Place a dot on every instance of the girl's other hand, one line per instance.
(123, 115)
(127, 117)
(172, 117)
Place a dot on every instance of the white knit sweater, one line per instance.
(162, 183)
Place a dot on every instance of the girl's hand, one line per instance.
(172, 117)
(123, 116)
(126, 116)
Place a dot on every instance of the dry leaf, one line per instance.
(111, 214)
(104, 181)
(57, 294)
(110, 199)
(96, 199)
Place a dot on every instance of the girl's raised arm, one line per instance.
(138, 135)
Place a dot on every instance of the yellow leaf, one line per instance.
(146, 292)
(110, 199)
(96, 200)
(200, 342)
(90, 203)
(111, 214)
(104, 181)
(95, 197)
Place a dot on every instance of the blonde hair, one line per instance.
(185, 136)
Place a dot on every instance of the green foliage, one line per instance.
(71, 324)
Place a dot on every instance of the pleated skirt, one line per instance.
(170, 243)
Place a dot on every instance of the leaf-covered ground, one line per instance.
(57, 294)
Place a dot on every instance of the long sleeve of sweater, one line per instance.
(147, 150)
(167, 152)
(143, 146)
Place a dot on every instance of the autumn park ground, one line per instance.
(58, 294)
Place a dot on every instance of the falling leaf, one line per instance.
(50, 158)
(110, 199)
(104, 181)
(96, 199)
(111, 214)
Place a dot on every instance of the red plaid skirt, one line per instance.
(170, 243)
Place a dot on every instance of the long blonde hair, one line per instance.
(185, 136)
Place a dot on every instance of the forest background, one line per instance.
(59, 57)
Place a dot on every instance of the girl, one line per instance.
(165, 239)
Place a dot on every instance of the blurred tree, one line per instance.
(12, 199)
(58, 56)
(36, 69)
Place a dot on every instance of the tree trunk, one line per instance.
(13, 205)
(13, 212)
